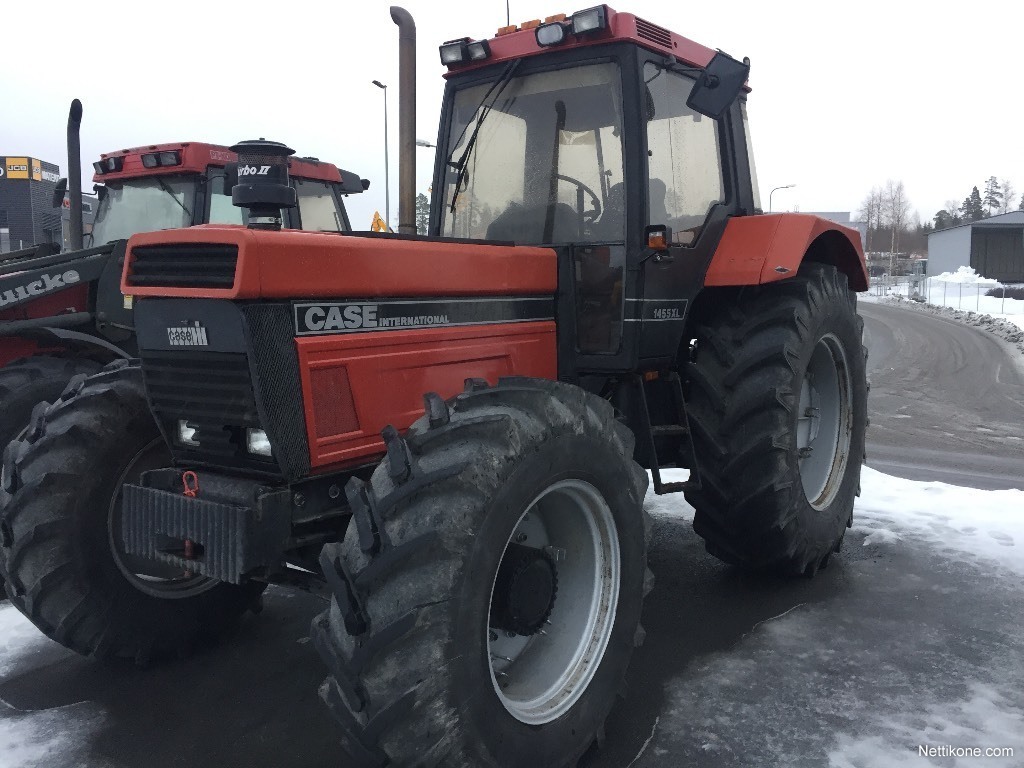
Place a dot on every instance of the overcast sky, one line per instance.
(844, 96)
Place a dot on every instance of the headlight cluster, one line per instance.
(256, 440)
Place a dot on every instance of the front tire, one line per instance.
(778, 409)
(60, 550)
(487, 594)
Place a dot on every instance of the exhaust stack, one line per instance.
(75, 174)
(406, 120)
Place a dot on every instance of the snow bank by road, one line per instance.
(1009, 328)
(959, 523)
(963, 524)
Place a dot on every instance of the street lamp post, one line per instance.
(787, 186)
(387, 175)
(425, 143)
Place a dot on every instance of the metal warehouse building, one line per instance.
(994, 247)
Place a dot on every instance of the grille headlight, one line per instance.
(187, 434)
(257, 442)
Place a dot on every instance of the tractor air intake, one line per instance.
(262, 186)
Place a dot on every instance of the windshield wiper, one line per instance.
(167, 188)
(462, 164)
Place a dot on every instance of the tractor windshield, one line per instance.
(539, 161)
(144, 205)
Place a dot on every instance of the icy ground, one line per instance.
(847, 682)
(45, 738)
(915, 639)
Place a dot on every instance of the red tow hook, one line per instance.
(191, 482)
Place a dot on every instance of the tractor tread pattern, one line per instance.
(49, 575)
(380, 689)
(740, 407)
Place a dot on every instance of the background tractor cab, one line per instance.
(167, 186)
(615, 139)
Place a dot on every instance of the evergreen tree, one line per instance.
(973, 209)
(943, 220)
(993, 195)
(422, 214)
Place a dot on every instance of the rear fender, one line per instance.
(763, 249)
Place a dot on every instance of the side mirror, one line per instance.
(59, 191)
(718, 85)
(100, 190)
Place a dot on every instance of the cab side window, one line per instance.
(684, 163)
(318, 208)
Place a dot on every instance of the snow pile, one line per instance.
(962, 524)
(965, 276)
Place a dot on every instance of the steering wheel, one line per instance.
(588, 216)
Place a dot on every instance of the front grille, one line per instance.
(653, 32)
(212, 391)
(184, 265)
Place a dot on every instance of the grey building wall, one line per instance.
(26, 202)
(949, 249)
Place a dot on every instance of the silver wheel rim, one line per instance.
(540, 677)
(153, 578)
(824, 422)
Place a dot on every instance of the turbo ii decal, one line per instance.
(391, 315)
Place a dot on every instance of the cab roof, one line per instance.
(197, 156)
(518, 41)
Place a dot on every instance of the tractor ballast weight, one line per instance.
(448, 435)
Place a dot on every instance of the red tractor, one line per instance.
(448, 435)
(62, 314)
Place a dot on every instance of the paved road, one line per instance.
(947, 400)
(719, 681)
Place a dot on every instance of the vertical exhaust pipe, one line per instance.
(75, 174)
(406, 120)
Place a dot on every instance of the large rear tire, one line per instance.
(487, 595)
(60, 542)
(778, 408)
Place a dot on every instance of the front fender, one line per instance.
(762, 249)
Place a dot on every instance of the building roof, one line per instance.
(1001, 219)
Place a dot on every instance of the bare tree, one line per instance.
(953, 209)
(1009, 195)
(896, 213)
(871, 213)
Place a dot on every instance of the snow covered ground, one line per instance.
(916, 642)
(809, 688)
(56, 737)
